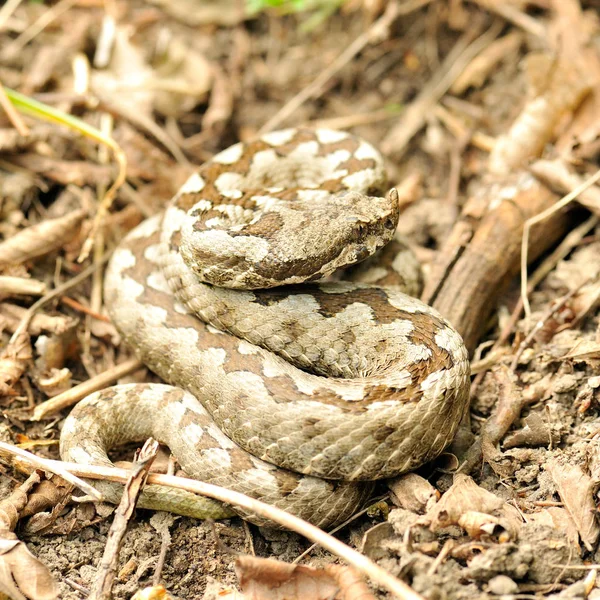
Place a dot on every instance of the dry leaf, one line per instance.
(22, 575)
(558, 519)
(267, 579)
(477, 523)
(13, 361)
(413, 492)
(465, 497)
(125, 80)
(156, 592)
(576, 490)
(483, 64)
(58, 324)
(76, 172)
(39, 239)
(587, 351)
(371, 542)
(221, 104)
(537, 432)
(181, 80)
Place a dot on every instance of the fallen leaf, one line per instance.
(413, 492)
(22, 575)
(268, 579)
(576, 490)
(464, 503)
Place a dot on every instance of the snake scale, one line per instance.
(291, 387)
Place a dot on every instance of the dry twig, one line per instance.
(53, 466)
(13, 116)
(543, 216)
(108, 565)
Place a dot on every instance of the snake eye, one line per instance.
(388, 224)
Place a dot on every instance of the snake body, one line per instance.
(337, 383)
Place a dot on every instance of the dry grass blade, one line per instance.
(12, 114)
(513, 14)
(36, 28)
(7, 10)
(59, 291)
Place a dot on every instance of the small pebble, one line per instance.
(565, 383)
(594, 382)
(502, 585)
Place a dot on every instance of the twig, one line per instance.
(36, 28)
(144, 123)
(564, 201)
(7, 10)
(508, 408)
(59, 291)
(86, 310)
(53, 466)
(19, 286)
(570, 241)
(514, 15)
(166, 520)
(314, 90)
(560, 252)
(108, 565)
(540, 324)
(415, 115)
(12, 506)
(480, 140)
(354, 558)
(13, 116)
(448, 546)
(80, 391)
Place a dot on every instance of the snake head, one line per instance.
(369, 224)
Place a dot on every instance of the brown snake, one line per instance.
(337, 383)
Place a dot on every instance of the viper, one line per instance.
(287, 383)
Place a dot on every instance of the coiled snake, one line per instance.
(337, 383)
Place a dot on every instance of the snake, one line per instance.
(296, 370)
